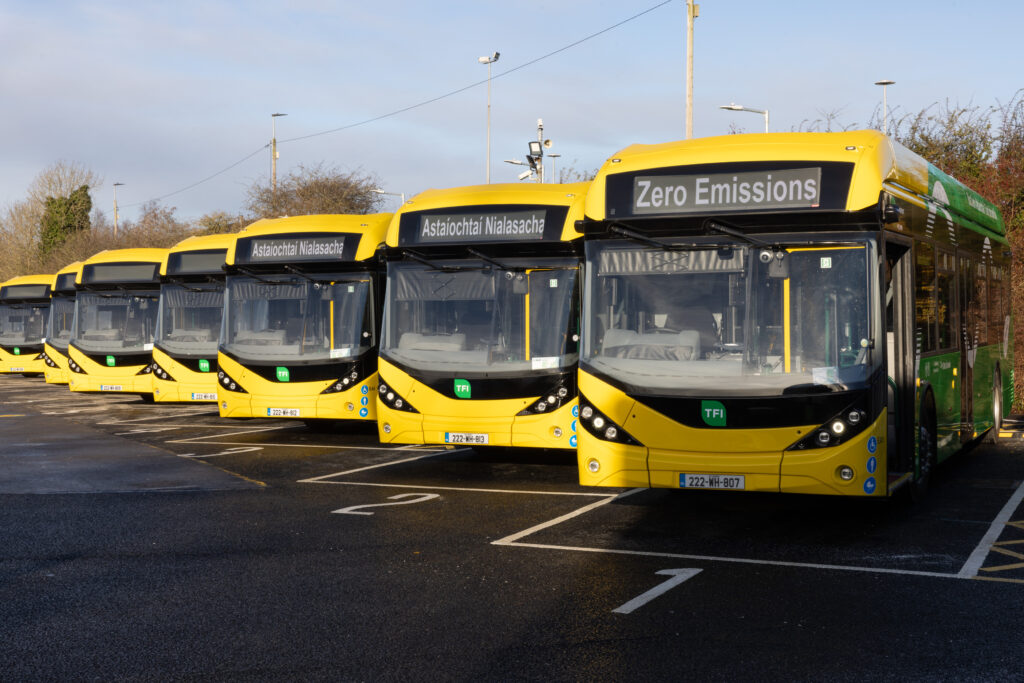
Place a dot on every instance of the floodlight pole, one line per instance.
(273, 152)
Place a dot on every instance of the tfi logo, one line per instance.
(462, 388)
(204, 365)
(111, 361)
(713, 413)
(283, 375)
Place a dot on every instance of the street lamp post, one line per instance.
(692, 12)
(393, 194)
(116, 185)
(885, 104)
(488, 61)
(273, 152)
(554, 175)
(737, 107)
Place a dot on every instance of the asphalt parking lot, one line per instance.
(151, 541)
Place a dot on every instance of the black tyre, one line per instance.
(927, 449)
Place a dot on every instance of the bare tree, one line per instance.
(315, 189)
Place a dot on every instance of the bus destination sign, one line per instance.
(294, 248)
(793, 188)
(481, 227)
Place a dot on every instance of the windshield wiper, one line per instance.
(490, 259)
(434, 266)
(625, 231)
(252, 274)
(181, 283)
(319, 281)
(715, 226)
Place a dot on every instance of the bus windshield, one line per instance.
(729, 321)
(115, 321)
(22, 323)
(189, 321)
(299, 318)
(58, 327)
(472, 316)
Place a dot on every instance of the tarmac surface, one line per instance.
(160, 542)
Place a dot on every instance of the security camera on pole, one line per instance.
(535, 159)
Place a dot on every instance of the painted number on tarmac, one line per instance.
(401, 499)
(678, 576)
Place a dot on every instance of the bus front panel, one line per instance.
(22, 332)
(185, 350)
(111, 347)
(299, 347)
(481, 352)
(732, 367)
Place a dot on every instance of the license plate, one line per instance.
(281, 412)
(465, 437)
(729, 482)
(17, 370)
(204, 397)
(111, 387)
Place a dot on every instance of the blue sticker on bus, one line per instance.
(363, 412)
(572, 441)
(365, 400)
(872, 445)
(364, 389)
(574, 425)
(872, 464)
(575, 411)
(869, 485)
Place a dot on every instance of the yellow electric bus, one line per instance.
(301, 318)
(188, 321)
(820, 313)
(111, 345)
(480, 338)
(24, 306)
(59, 322)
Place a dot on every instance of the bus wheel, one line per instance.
(997, 408)
(927, 449)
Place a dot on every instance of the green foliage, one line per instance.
(62, 217)
(957, 139)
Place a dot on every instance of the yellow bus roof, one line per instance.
(136, 255)
(372, 227)
(551, 194)
(879, 163)
(39, 279)
(199, 243)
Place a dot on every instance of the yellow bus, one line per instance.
(480, 338)
(302, 317)
(59, 322)
(821, 313)
(24, 306)
(188, 323)
(111, 346)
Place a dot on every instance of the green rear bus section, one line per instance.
(820, 313)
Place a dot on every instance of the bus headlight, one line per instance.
(159, 372)
(552, 400)
(229, 384)
(390, 398)
(840, 429)
(601, 427)
(348, 379)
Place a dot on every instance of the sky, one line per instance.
(174, 99)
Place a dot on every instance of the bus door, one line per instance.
(900, 355)
(968, 344)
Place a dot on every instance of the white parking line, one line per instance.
(977, 558)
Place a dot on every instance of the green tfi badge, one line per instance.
(110, 361)
(17, 351)
(204, 365)
(713, 413)
(462, 388)
(283, 375)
